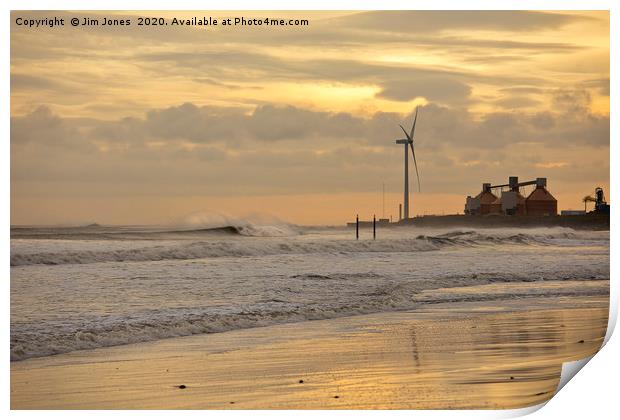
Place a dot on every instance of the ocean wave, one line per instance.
(274, 246)
(97, 232)
(67, 336)
(63, 337)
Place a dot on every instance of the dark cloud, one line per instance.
(41, 128)
(212, 82)
(520, 90)
(517, 102)
(425, 21)
(27, 82)
(571, 100)
(400, 83)
(230, 127)
(222, 150)
(502, 129)
(602, 85)
(439, 89)
(502, 46)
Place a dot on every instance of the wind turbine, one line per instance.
(409, 141)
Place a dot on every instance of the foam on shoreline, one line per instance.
(497, 354)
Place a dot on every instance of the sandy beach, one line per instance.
(495, 354)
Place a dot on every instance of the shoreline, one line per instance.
(492, 354)
(455, 295)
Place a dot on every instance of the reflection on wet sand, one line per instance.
(498, 361)
(487, 356)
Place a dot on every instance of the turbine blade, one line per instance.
(414, 121)
(404, 131)
(416, 166)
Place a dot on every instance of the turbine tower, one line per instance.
(409, 141)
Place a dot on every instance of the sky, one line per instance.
(155, 125)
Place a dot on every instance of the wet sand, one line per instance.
(496, 354)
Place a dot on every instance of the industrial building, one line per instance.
(541, 203)
(507, 199)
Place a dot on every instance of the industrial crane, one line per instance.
(600, 205)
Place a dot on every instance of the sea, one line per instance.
(75, 288)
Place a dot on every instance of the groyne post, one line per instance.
(374, 226)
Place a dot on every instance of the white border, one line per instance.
(593, 392)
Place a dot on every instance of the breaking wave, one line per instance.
(96, 232)
(27, 344)
(68, 336)
(188, 250)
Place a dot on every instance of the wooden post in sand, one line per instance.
(357, 226)
(374, 226)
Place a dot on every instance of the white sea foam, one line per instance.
(102, 286)
(237, 248)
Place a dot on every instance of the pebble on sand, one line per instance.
(182, 386)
